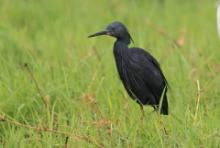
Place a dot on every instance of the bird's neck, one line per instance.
(120, 45)
(120, 49)
(126, 39)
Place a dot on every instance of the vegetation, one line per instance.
(60, 89)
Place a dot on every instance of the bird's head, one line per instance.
(117, 30)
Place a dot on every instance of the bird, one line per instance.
(138, 70)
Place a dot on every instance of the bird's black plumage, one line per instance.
(139, 71)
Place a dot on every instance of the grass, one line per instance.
(80, 101)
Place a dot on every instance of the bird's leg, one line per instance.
(142, 112)
(161, 123)
(162, 126)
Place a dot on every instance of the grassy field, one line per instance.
(60, 89)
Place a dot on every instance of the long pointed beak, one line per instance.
(104, 32)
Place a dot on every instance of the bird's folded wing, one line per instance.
(147, 71)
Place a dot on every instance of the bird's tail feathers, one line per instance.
(164, 106)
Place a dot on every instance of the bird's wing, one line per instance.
(143, 58)
(147, 71)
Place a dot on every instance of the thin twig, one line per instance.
(97, 54)
(67, 137)
(197, 100)
(66, 142)
(3, 118)
(216, 134)
(163, 33)
(35, 81)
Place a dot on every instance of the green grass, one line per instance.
(78, 77)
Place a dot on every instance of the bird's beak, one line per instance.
(104, 32)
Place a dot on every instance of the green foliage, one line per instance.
(78, 80)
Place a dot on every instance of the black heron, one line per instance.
(138, 70)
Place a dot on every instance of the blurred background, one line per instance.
(60, 89)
